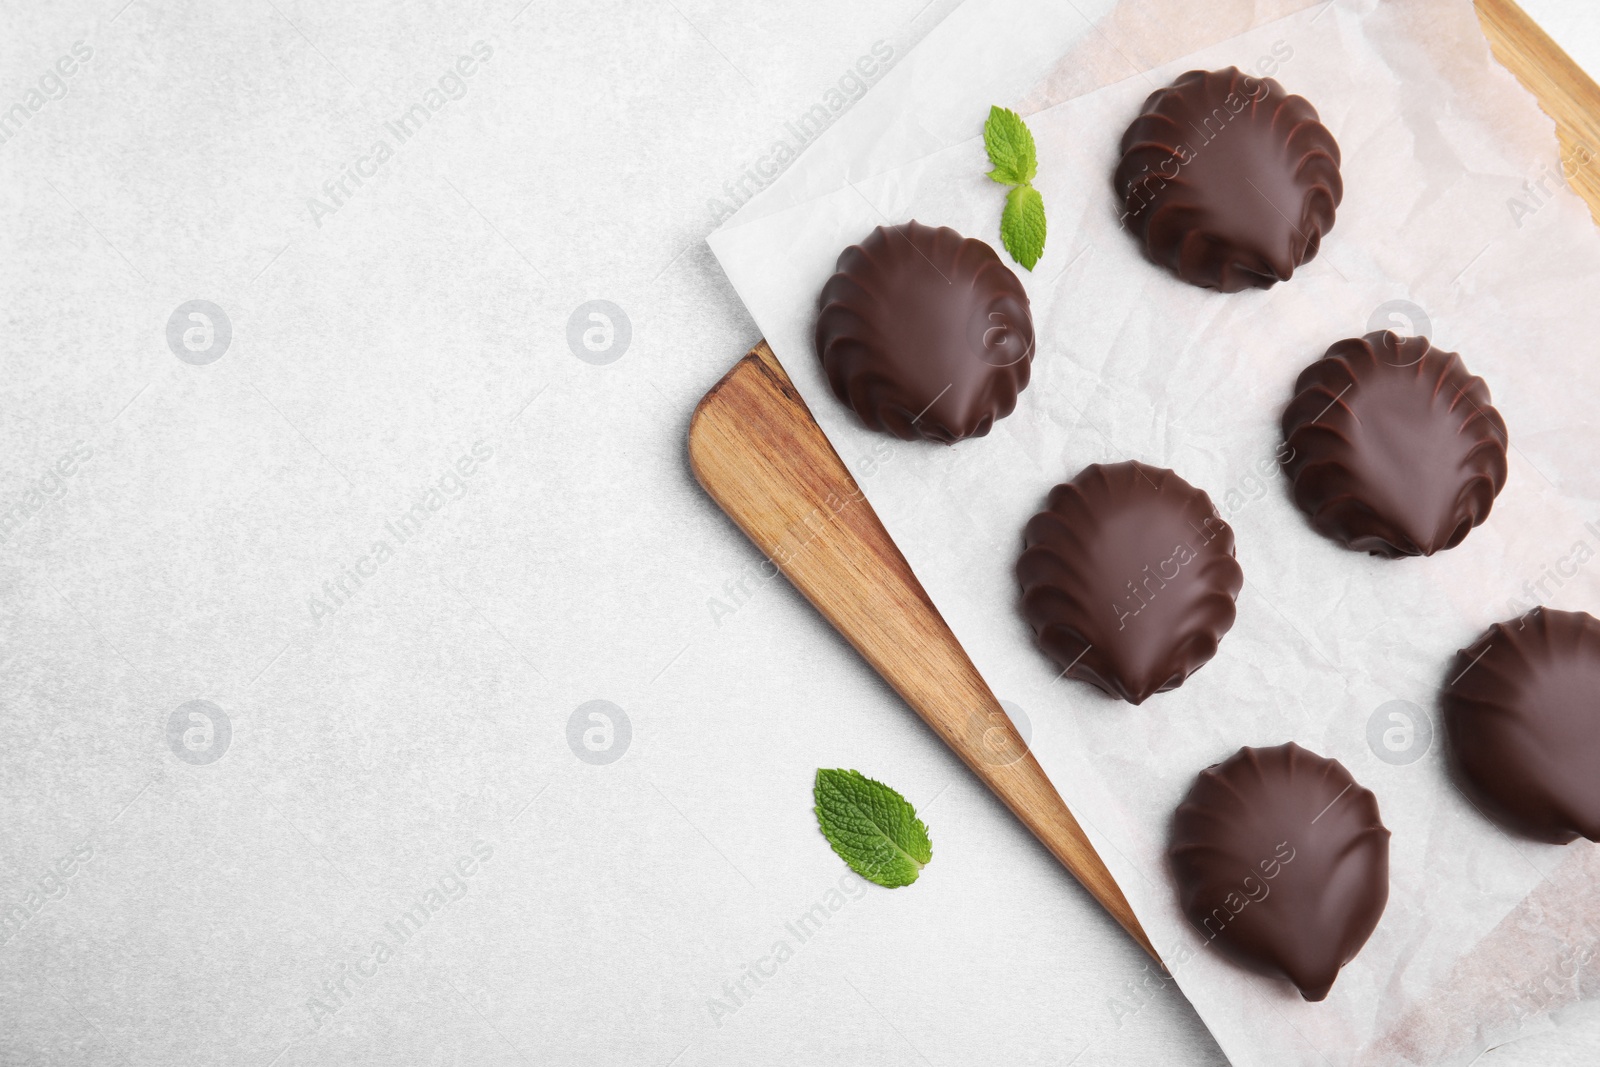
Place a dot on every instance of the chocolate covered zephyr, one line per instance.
(925, 333)
(1228, 181)
(1393, 447)
(1282, 862)
(1129, 578)
(1522, 716)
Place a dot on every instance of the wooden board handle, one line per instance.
(756, 449)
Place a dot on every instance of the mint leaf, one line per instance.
(872, 828)
(1022, 225)
(1010, 147)
(1016, 161)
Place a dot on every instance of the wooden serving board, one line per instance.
(757, 451)
(1564, 91)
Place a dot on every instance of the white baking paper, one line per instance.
(1454, 223)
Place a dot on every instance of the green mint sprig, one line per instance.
(1011, 149)
(873, 828)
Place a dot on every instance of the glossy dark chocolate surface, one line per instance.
(1129, 578)
(1521, 709)
(925, 333)
(1394, 448)
(1282, 862)
(1228, 181)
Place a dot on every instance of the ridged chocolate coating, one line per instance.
(925, 333)
(1521, 708)
(1394, 448)
(1228, 181)
(1282, 860)
(1129, 578)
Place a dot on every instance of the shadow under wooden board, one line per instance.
(758, 452)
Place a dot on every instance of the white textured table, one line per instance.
(396, 509)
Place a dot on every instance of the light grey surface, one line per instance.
(441, 707)
(1574, 25)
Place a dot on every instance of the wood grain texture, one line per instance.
(1564, 91)
(757, 451)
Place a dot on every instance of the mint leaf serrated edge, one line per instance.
(1022, 225)
(1010, 145)
(871, 827)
